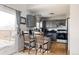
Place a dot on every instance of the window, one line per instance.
(7, 21)
(7, 29)
(37, 25)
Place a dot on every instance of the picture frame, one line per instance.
(23, 20)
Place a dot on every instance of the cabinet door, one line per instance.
(31, 21)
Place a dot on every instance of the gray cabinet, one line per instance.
(31, 21)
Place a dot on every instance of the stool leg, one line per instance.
(42, 49)
(29, 49)
(36, 51)
(24, 49)
(47, 47)
(47, 51)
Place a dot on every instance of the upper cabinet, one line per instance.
(31, 21)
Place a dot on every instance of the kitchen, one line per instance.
(53, 26)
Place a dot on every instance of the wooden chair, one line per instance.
(41, 42)
(27, 41)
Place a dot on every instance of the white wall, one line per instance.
(74, 29)
(24, 13)
(58, 17)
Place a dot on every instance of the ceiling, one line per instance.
(43, 9)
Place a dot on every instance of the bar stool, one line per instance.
(28, 40)
(41, 42)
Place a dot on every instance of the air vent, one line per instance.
(51, 13)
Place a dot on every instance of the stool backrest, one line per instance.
(26, 36)
(39, 37)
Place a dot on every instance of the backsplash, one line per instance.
(55, 23)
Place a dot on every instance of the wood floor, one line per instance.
(56, 49)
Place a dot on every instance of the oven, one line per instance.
(62, 36)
